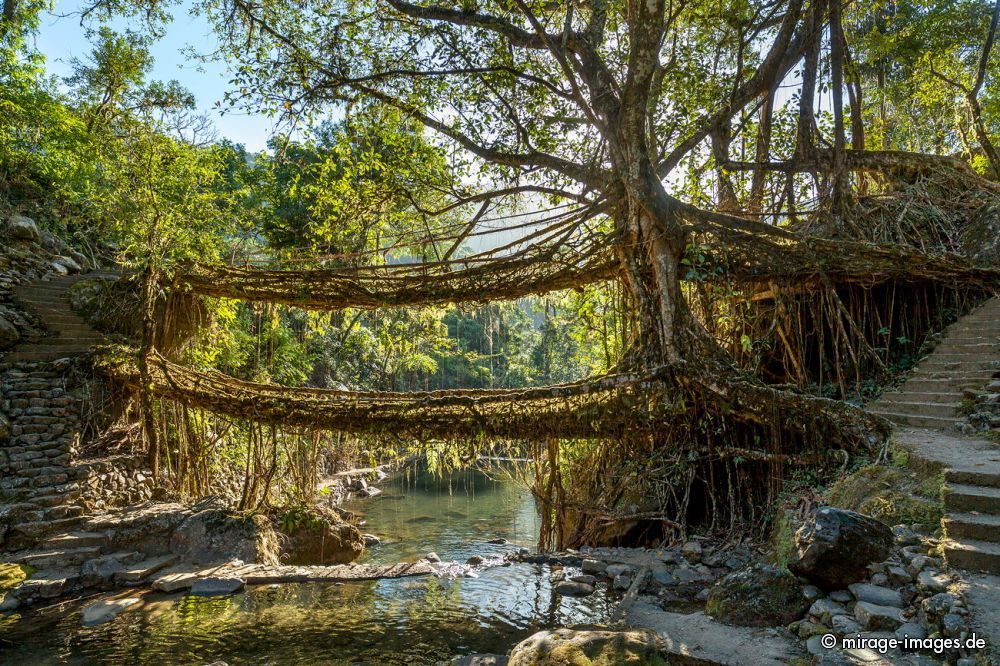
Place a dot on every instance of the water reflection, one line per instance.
(404, 621)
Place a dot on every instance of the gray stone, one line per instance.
(842, 596)
(615, 570)
(594, 567)
(664, 578)
(105, 611)
(622, 581)
(933, 581)
(371, 540)
(952, 625)
(692, 552)
(911, 630)
(216, 586)
(587, 579)
(432, 557)
(825, 609)
(933, 609)
(812, 593)
(917, 564)
(20, 227)
(758, 596)
(874, 618)
(574, 589)
(69, 264)
(844, 624)
(898, 575)
(9, 603)
(834, 547)
(905, 536)
(874, 594)
(475, 560)
(569, 646)
(880, 579)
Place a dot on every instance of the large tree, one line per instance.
(596, 102)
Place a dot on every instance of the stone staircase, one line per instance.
(40, 491)
(69, 334)
(965, 359)
(927, 410)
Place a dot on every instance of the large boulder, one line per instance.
(834, 547)
(19, 227)
(561, 647)
(760, 595)
(320, 537)
(217, 534)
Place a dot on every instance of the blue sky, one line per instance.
(61, 38)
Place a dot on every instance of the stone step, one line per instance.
(972, 477)
(922, 384)
(933, 422)
(56, 558)
(973, 555)
(975, 526)
(900, 396)
(964, 498)
(942, 409)
(79, 539)
(55, 499)
(140, 571)
(975, 366)
(49, 583)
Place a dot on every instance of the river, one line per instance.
(402, 621)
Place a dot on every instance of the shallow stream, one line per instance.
(403, 621)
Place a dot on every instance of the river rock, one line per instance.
(216, 534)
(615, 570)
(23, 228)
(587, 579)
(105, 611)
(323, 538)
(842, 596)
(834, 547)
(560, 647)
(572, 589)
(898, 575)
(873, 617)
(432, 557)
(757, 596)
(594, 567)
(371, 540)
(874, 594)
(475, 560)
(905, 536)
(216, 586)
(622, 581)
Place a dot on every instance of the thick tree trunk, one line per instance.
(762, 153)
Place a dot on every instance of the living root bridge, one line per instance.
(540, 270)
(614, 406)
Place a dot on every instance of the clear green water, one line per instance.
(404, 621)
